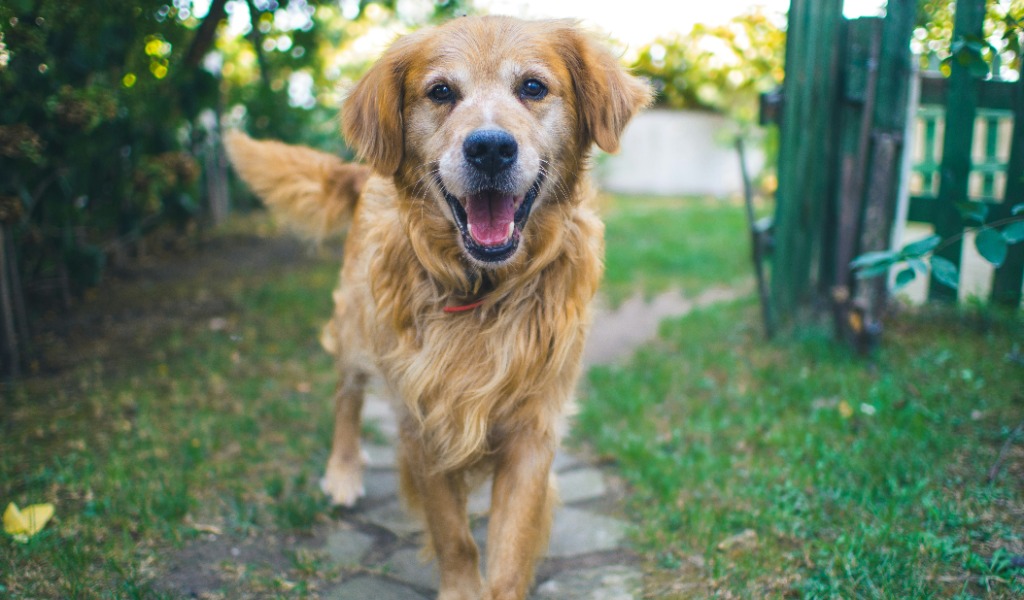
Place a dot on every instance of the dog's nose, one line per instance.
(490, 150)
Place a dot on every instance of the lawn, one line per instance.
(190, 396)
(794, 468)
(655, 244)
(200, 403)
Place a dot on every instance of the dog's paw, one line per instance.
(343, 488)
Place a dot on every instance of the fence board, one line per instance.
(807, 146)
(961, 102)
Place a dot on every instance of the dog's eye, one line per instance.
(533, 89)
(441, 93)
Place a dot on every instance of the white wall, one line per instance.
(677, 153)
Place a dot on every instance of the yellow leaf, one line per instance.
(845, 409)
(23, 524)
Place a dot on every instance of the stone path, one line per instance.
(586, 559)
(370, 552)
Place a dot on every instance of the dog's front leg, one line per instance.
(343, 480)
(442, 498)
(521, 512)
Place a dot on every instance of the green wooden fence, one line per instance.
(985, 178)
(843, 126)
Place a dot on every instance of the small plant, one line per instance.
(992, 241)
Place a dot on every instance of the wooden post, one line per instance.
(863, 53)
(882, 176)
(961, 104)
(757, 243)
(807, 154)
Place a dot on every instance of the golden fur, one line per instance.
(486, 390)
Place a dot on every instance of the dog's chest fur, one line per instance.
(510, 363)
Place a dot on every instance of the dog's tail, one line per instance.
(311, 191)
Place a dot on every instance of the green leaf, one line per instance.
(870, 259)
(873, 270)
(918, 265)
(945, 272)
(903, 278)
(1014, 232)
(1018, 209)
(972, 211)
(921, 247)
(991, 245)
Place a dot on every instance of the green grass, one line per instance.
(859, 478)
(183, 427)
(199, 428)
(656, 244)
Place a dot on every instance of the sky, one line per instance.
(647, 19)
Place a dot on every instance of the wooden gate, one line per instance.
(967, 148)
(843, 136)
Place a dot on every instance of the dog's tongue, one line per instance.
(490, 216)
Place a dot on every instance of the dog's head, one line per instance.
(488, 119)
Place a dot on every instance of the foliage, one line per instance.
(933, 37)
(789, 469)
(992, 240)
(721, 68)
(78, 141)
(111, 113)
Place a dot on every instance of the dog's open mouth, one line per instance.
(491, 221)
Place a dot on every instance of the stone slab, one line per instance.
(564, 460)
(371, 588)
(405, 565)
(614, 582)
(579, 531)
(480, 499)
(379, 485)
(378, 412)
(581, 484)
(393, 517)
(380, 457)
(347, 546)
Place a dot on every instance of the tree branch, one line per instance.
(207, 32)
(256, 37)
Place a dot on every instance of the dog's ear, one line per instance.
(371, 116)
(607, 96)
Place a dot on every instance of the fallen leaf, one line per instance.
(23, 524)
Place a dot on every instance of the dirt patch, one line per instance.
(617, 334)
(115, 322)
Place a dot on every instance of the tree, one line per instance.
(110, 117)
(721, 68)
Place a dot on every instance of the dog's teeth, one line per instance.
(469, 227)
(511, 229)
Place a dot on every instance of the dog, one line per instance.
(472, 254)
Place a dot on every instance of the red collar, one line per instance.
(463, 307)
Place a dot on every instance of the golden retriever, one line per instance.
(471, 259)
